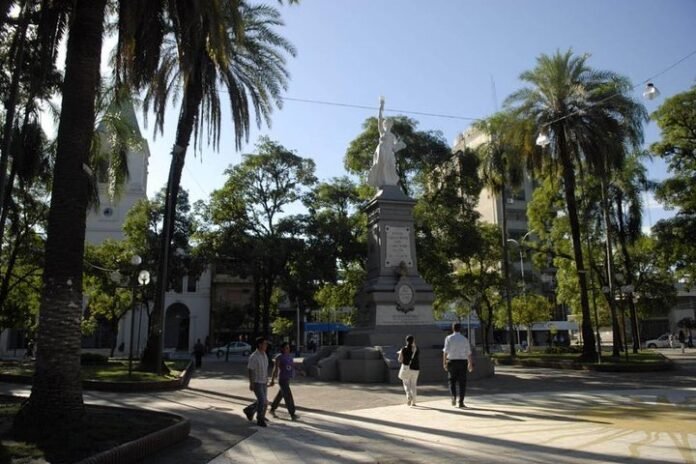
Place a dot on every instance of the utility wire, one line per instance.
(467, 118)
(644, 82)
(393, 110)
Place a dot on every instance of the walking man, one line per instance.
(284, 368)
(198, 352)
(257, 367)
(457, 360)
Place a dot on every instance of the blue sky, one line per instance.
(440, 57)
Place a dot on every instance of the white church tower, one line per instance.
(107, 221)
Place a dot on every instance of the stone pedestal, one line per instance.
(395, 300)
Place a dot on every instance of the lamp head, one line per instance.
(543, 139)
(144, 277)
(650, 92)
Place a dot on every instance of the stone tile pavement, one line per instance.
(634, 426)
(520, 415)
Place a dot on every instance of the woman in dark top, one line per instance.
(408, 356)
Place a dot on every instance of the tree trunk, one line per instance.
(589, 350)
(628, 267)
(152, 356)
(17, 56)
(506, 270)
(615, 330)
(56, 395)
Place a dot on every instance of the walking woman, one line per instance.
(408, 357)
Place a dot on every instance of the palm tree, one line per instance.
(584, 113)
(56, 395)
(202, 44)
(500, 170)
(628, 184)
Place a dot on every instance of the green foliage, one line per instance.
(341, 294)
(282, 327)
(22, 258)
(142, 228)
(446, 231)
(229, 317)
(676, 118)
(425, 150)
(563, 350)
(245, 223)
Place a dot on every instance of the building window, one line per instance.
(191, 283)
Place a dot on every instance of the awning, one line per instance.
(325, 327)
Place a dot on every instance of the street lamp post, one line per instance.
(297, 346)
(142, 279)
(627, 291)
(519, 247)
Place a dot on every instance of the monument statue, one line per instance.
(383, 170)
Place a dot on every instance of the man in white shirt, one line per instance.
(457, 360)
(258, 382)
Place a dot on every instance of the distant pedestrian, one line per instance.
(670, 337)
(198, 352)
(691, 341)
(457, 359)
(682, 340)
(284, 368)
(30, 349)
(409, 359)
(257, 368)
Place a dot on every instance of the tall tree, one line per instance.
(676, 118)
(202, 44)
(578, 109)
(627, 187)
(501, 172)
(250, 207)
(56, 395)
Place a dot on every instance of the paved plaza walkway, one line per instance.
(639, 426)
(519, 415)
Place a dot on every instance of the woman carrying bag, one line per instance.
(408, 373)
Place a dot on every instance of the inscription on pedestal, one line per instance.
(397, 246)
(390, 315)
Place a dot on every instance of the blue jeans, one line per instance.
(286, 394)
(261, 393)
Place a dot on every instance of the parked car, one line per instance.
(660, 342)
(242, 348)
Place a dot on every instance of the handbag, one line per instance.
(404, 371)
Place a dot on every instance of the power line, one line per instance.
(644, 82)
(393, 110)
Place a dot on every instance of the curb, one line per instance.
(122, 387)
(665, 365)
(137, 450)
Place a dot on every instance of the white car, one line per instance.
(234, 348)
(660, 342)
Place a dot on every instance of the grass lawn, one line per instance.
(114, 371)
(102, 429)
(641, 360)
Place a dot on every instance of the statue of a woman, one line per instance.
(383, 170)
